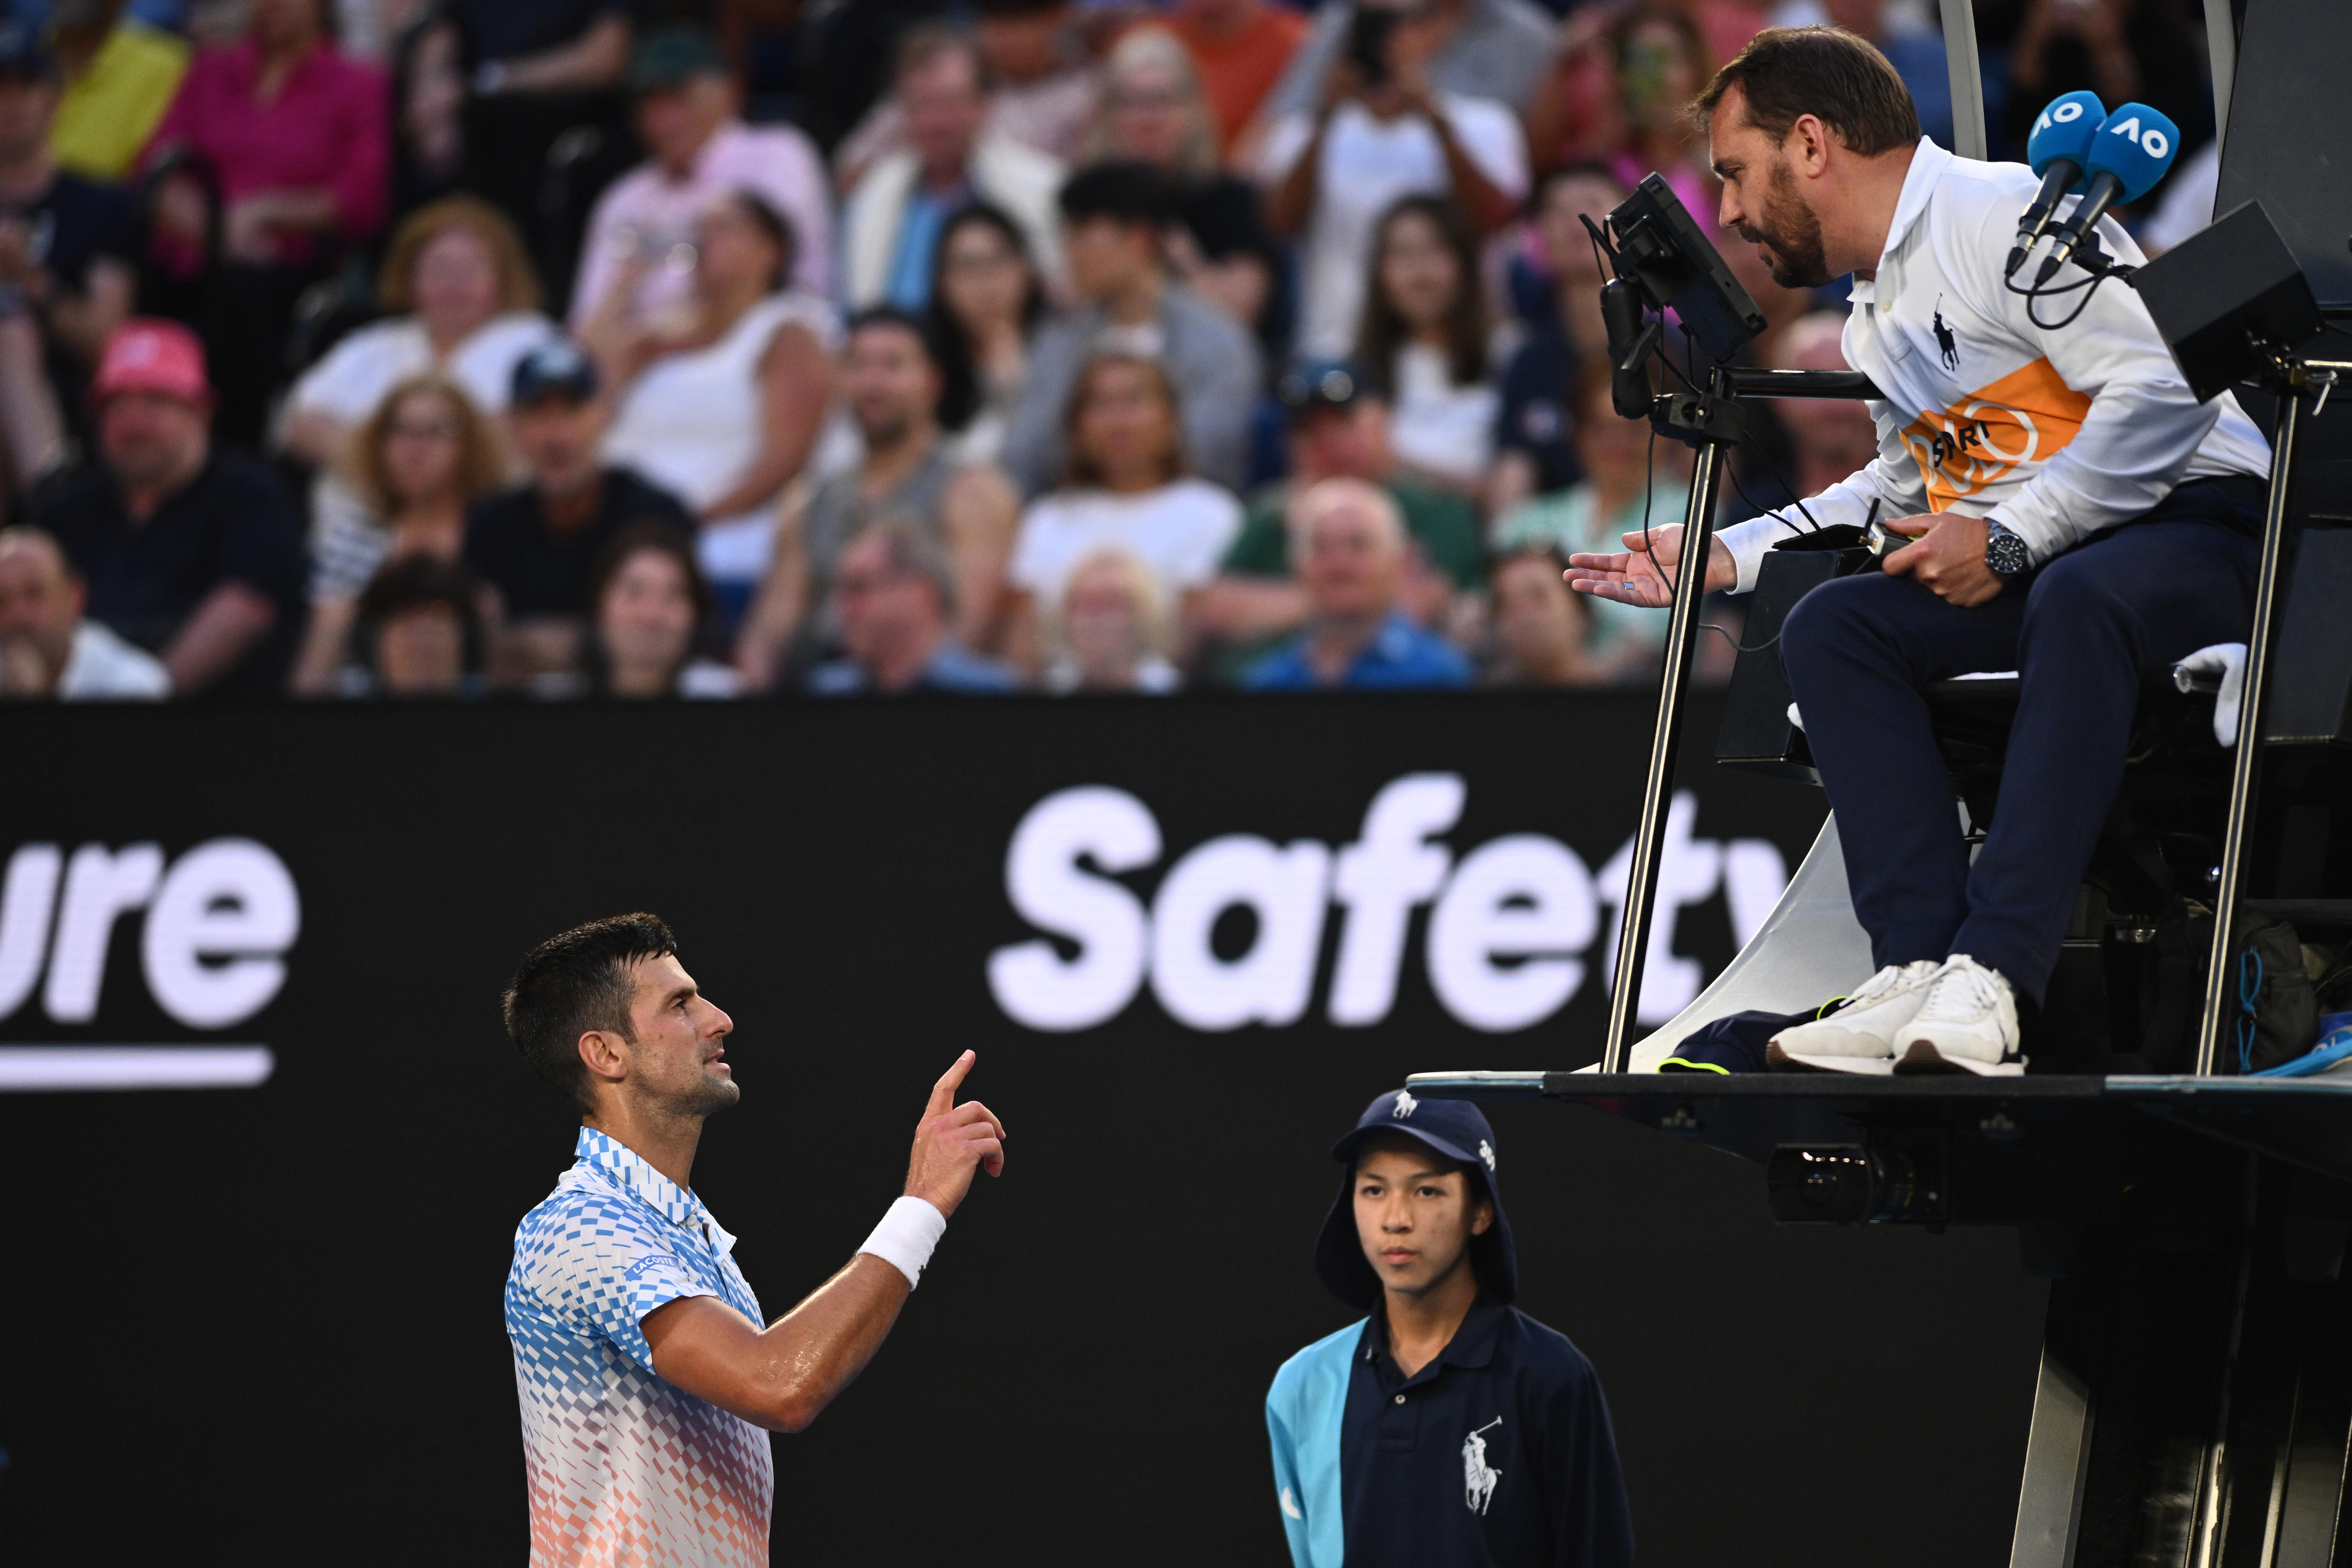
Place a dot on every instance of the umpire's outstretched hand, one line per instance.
(952, 1142)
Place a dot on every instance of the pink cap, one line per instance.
(150, 355)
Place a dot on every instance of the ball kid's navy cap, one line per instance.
(1456, 1128)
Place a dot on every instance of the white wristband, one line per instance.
(904, 1239)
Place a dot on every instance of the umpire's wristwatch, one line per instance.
(2004, 551)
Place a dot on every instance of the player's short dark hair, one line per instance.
(1838, 76)
(575, 982)
(1121, 189)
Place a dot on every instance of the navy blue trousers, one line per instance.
(2082, 632)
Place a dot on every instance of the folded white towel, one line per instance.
(2221, 669)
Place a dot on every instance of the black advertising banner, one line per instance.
(265, 1146)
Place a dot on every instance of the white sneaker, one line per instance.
(1968, 1023)
(1859, 1036)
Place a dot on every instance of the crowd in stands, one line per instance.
(717, 349)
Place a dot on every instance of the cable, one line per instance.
(1763, 510)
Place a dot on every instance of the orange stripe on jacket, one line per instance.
(2025, 418)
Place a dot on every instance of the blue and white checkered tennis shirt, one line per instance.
(623, 1467)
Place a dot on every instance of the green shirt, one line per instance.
(1444, 524)
(1569, 522)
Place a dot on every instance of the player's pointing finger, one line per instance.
(943, 1091)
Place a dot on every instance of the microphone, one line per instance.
(2060, 145)
(2133, 148)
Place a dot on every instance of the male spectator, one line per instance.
(892, 222)
(689, 115)
(1479, 48)
(895, 597)
(1347, 545)
(1240, 47)
(47, 648)
(1380, 132)
(119, 76)
(536, 544)
(1046, 87)
(1115, 215)
(1338, 429)
(1832, 437)
(193, 554)
(420, 630)
(66, 247)
(890, 382)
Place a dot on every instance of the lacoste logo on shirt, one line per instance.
(1478, 1477)
(1405, 1105)
(1947, 341)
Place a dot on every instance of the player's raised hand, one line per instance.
(1644, 571)
(952, 1142)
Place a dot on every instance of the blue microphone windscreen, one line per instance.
(2136, 144)
(2064, 130)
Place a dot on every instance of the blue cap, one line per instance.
(556, 368)
(1456, 1128)
(1321, 384)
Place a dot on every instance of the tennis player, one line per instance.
(1448, 1429)
(648, 1383)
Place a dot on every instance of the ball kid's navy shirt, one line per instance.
(1498, 1454)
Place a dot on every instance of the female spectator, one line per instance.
(1127, 489)
(722, 410)
(652, 607)
(1613, 499)
(1155, 112)
(420, 632)
(294, 138)
(414, 467)
(1618, 91)
(1111, 630)
(986, 302)
(1662, 62)
(1423, 339)
(1543, 631)
(1557, 279)
(464, 304)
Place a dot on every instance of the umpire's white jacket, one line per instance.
(2059, 433)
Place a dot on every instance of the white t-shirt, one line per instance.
(103, 668)
(692, 423)
(1435, 426)
(1181, 531)
(1368, 164)
(347, 384)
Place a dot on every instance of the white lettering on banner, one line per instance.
(100, 886)
(219, 922)
(1527, 898)
(1034, 983)
(26, 899)
(215, 938)
(1288, 890)
(1391, 868)
(1511, 927)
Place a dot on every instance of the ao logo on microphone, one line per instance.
(2149, 138)
(2064, 112)
(219, 922)
(1516, 925)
